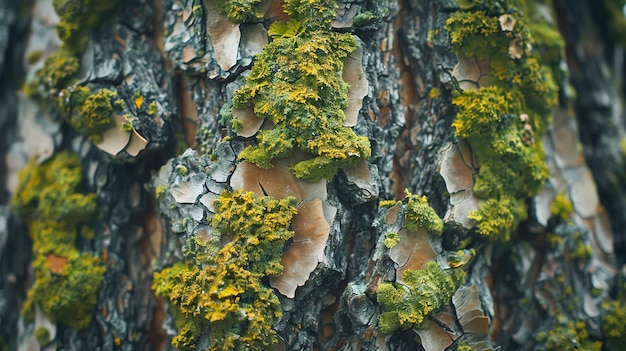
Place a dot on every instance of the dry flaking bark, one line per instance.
(175, 66)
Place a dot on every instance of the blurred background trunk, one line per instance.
(174, 67)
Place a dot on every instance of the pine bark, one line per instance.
(168, 51)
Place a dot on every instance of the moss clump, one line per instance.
(561, 207)
(423, 291)
(391, 239)
(580, 250)
(42, 335)
(566, 334)
(219, 291)
(34, 56)
(296, 83)
(498, 217)
(499, 121)
(58, 71)
(548, 45)
(614, 322)
(313, 14)
(67, 295)
(418, 214)
(90, 114)
(478, 33)
(78, 18)
(240, 11)
(49, 200)
(463, 346)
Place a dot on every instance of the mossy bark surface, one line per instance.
(312, 175)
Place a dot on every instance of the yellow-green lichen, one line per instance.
(418, 214)
(391, 239)
(42, 335)
(315, 15)
(296, 83)
(50, 201)
(90, 114)
(548, 44)
(34, 56)
(58, 71)
(78, 18)
(434, 93)
(463, 346)
(561, 207)
(580, 250)
(67, 295)
(387, 203)
(564, 334)
(500, 121)
(614, 322)
(127, 125)
(423, 291)
(219, 290)
(460, 257)
(240, 11)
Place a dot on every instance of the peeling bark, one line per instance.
(175, 142)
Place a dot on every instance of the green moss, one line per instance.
(424, 291)
(219, 291)
(566, 334)
(42, 335)
(500, 121)
(78, 18)
(296, 83)
(418, 214)
(50, 201)
(90, 114)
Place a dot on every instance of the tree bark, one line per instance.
(371, 265)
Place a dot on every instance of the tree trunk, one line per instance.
(249, 175)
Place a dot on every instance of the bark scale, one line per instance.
(175, 65)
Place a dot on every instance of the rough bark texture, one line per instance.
(359, 273)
